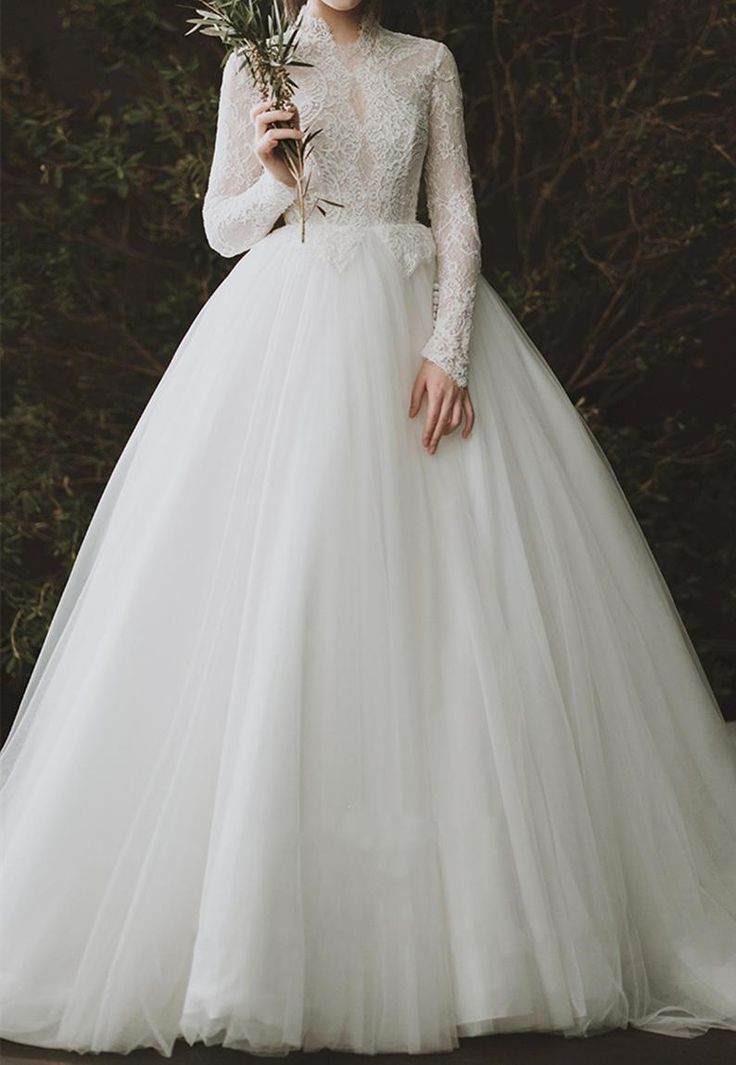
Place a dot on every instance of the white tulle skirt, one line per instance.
(336, 743)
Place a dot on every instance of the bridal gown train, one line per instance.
(333, 742)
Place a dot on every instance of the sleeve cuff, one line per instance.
(275, 192)
(448, 358)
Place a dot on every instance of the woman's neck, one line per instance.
(344, 25)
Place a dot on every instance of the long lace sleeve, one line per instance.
(453, 217)
(243, 200)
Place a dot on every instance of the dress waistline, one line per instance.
(411, 243)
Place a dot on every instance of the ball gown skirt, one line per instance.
(335, 743)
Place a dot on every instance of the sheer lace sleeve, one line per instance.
(243, 200)
(454, 222)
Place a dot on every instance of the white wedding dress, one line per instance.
(333, 742)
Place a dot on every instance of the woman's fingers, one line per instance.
(257, 109)
(272, 115)
(266, 119)
(445, 414)
(265, 112)
(281, 132)
(271, 105)
(457, 415)
(271, 137)
(267, 136)
(469, 415)
(433, 412)
(443, 420)
(416, 395)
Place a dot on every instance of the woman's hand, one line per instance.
(268, 136)
(448, 404)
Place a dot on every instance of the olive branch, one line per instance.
(266, 41)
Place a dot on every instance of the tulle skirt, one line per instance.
(336, 743)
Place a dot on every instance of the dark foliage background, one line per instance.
(604, 164)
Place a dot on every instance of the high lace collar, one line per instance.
(314, 27)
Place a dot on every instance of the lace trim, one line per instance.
(410, 243)
(314, 27)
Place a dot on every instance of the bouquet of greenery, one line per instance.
(260, 33)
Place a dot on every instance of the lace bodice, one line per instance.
(390, 109)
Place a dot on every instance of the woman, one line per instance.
(366, 719)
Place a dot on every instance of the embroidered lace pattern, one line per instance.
(390, 109)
